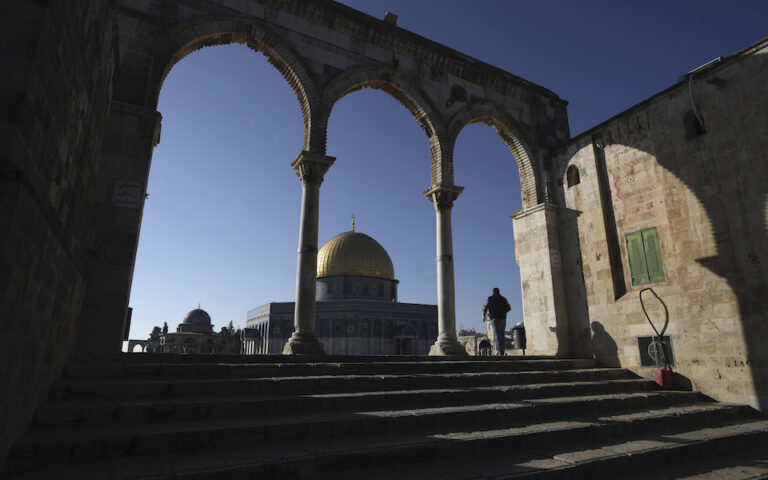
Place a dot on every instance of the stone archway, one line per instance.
(206, 32)
(142, 344)
(532, 181)
(136, 107)
(536, 236)
(408, 94)
(323, 51)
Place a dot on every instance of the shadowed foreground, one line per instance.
(217, 416)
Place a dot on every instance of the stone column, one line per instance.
(537, 252)
(130, 135)
(264, 339)
(311, 168)
(442, 198)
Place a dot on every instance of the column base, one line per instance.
(303, 345)
(447, 346)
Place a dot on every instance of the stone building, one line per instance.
(194, 334)
(357, 308)
(669, 194)
(475, 343)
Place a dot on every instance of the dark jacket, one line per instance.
(497, 307)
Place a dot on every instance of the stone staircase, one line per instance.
(150, 416)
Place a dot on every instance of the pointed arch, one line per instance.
(511, 132)
(408, 94)
(191, 36)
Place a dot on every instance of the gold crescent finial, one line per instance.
(353, 222)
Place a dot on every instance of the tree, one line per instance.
(155, 335)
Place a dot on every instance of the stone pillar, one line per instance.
(264, 339)
(537, 252)
(311, 168)
(442, 198)
(130, 135)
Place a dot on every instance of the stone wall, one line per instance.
(537, 253)
(55, 91)
(706, 196)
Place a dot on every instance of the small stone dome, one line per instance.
(354, 253)
(197, 316)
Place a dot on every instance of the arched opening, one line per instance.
(405, 338)
(138, 348)
(190, 346)
(233, 31)
(405, 92)
(572, 177)
(483, 233)
(223, 201)
(382, 167)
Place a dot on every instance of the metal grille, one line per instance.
(652, 353)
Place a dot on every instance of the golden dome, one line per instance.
(354, 253)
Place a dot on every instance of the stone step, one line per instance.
(228, 358)
(750, 463)
(229, 417)
(63, 444)
(278, 367)
(649, 433)
(67, 412)
(137, 388)
(735, 451)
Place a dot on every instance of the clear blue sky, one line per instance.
(221, 222)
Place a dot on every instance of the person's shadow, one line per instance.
(604, 347)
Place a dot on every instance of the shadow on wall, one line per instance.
(604, 348)
(576, 299)
(724, 166)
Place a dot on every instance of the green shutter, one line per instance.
(637, 259)
(653, 256)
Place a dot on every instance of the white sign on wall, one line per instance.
(127, 194)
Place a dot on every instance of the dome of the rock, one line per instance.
(354, 253)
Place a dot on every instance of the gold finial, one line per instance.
(353, 222)
(198, 305)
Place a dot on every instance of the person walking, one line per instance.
(497, 307)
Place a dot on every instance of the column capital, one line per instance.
(311, 167)
(443, 196)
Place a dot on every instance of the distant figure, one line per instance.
(485, 347)
(497, 307)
